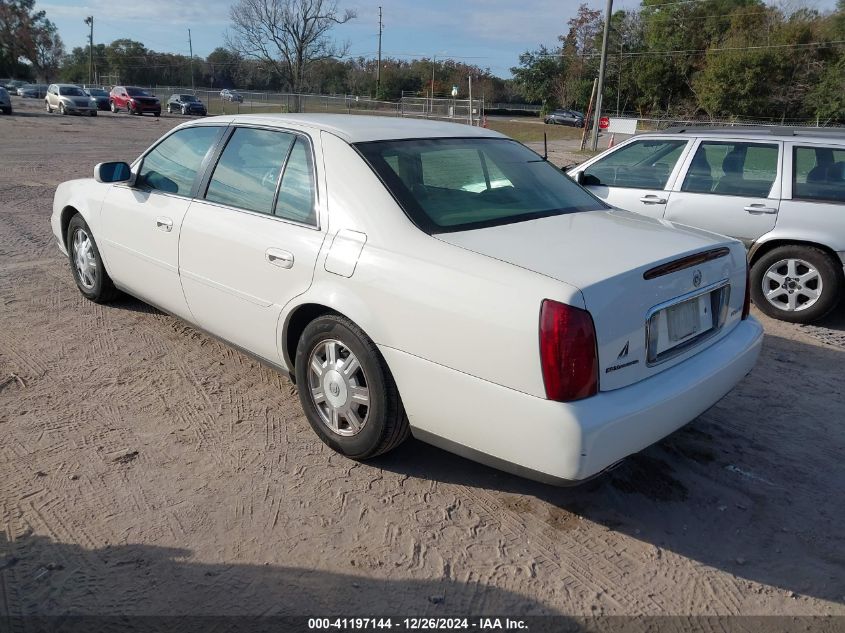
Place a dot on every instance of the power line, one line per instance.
(693, 51)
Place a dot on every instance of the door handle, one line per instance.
(652, 199)
(164, 224)
(278, 257)
(760, 209)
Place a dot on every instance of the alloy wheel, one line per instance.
(339, 387)
(792, 285)
(83, 258)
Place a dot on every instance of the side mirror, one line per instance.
(112, 172)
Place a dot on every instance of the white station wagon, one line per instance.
(424, 278)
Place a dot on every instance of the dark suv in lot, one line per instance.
(186, 104)
(134, 100)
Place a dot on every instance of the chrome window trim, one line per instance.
(227, 207)
(694, 342)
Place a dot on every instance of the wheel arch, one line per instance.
(759, 249)
(312, 306)
(64, 220)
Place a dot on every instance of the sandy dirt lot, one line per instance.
(146, 468)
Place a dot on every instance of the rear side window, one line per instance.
(644, 164)
(819, 174)
(296, 192)
(172, 165)
(247, 174)
(733, 169)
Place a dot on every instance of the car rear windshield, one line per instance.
(71, 91)
(458, 184)
(137, 92)
(96, 92)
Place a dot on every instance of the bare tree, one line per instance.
(287, 35)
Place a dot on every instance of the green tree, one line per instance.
(538, 76)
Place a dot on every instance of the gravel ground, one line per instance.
(147, 468)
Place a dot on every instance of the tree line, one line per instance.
(697, 58)
(706, 58)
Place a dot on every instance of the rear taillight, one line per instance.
(746, 304)
(568, 353)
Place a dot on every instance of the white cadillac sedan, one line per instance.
(424, 278)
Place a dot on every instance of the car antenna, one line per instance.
(545, 147)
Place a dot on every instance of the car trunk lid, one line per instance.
(629, 268)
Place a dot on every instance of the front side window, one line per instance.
(454, 184)
(644, 164)
(733, 169)
(172, 165)
(819, 174)
(247, 174)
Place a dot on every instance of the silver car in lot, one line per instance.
(69, 99)
(781, 191)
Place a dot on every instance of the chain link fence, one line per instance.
(257, 102)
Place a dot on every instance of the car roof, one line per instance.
(358, 128)
(767, 132)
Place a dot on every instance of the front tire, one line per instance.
(86, 265)
(113, 107)
(799, 284)
(62, 110)
(347, 391)
(47, 105)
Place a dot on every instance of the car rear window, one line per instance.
(819, 174)
(457, 184)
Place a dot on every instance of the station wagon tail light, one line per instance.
(568, 353)
(746, 304)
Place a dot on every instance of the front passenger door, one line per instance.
(141, 223)
(635, 176)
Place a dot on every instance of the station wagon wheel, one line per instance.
(346, 389)
(86, 265)
(796, 283)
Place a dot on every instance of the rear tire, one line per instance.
(86, 265)
(799, 284)
(375, 427)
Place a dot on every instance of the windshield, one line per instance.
(137, 92)
(71, 91)
(96, 92)
(456, 184)
(187, 98)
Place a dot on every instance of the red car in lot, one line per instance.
(134, 100)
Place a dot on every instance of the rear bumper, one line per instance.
(566, 443)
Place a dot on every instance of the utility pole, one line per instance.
(470, 100)
(90, 21)
(595, 139)
(619, 83)
(191, 51)
(378, 70)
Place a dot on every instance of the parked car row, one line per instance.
(780, 191)
(73, 99)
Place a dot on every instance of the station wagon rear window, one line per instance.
(457, 184)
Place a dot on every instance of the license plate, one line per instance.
(683, 320)
(676, 326)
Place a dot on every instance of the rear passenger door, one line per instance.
(250, 240)
(635, 177)
(732, 187)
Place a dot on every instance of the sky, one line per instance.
(487, 33)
